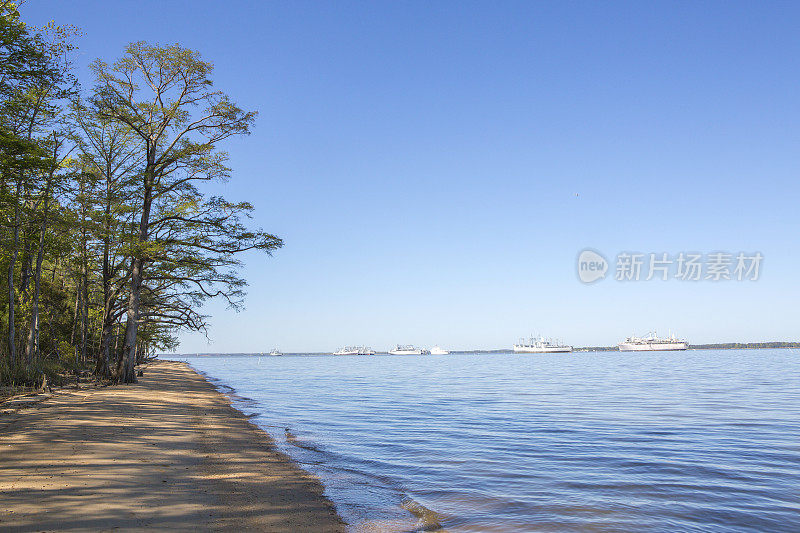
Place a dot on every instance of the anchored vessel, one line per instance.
(651, 343)
(540, 345)
(438, 350)
(406, 350)
(275, 352)
(355, 350)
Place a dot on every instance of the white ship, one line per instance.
(275, 352)
(438, 350)
(355, 350)
(651, 343)
(406, 350)
(540, 345)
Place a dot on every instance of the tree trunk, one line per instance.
(32, 346)
(107, 326)
(84, 311)
(132, 328)
(32, 349)
(12, 348)
(75, 312)
(12, 345)
(26, 269)
(120, 355)
(101, 366)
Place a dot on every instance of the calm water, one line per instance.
(671, 441)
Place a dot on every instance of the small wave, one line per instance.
(429, 520)
(292, 439)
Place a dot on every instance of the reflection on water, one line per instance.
(671, 441)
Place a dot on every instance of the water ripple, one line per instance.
(693, 441)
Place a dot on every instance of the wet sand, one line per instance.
(168, 453)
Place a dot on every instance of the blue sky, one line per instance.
(435, 168)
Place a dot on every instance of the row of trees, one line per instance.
(109, 246)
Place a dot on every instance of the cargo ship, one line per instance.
(540, 345)
(652, 343)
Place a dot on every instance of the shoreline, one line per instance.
(169, 452)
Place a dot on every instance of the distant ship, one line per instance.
(355, 350)
(406, 350)
(540, 345)
(275, 352)
(438, 350)
(651, 343)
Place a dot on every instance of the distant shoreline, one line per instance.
(719, 346)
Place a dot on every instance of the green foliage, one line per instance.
(66, 354)
(108, 244)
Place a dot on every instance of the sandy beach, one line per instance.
(166, 453)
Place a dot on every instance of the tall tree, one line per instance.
(109, 151)
(165, 96)
(56, 158)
